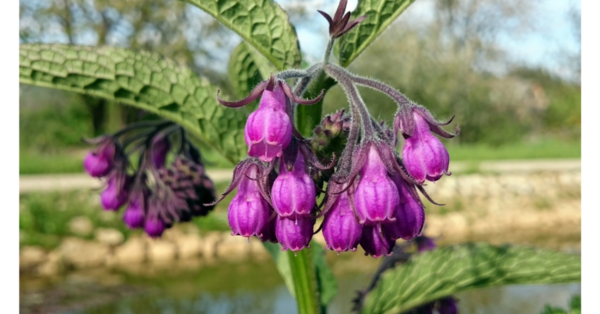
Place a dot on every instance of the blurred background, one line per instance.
(509, 70)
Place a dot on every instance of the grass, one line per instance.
(547, 149)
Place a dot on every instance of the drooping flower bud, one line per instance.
(248, 211)
(330, 135)
(160, 148)
(424, 244)
(134, 214)
(341, 230)
(154, 227)
(115, 194)
(294, 234)
(424, 155)
(410, 215)
(98, 163)
(268, 130)
(376, 196)
(374, 243)
(293, 192)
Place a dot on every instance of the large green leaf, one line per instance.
(247, 68)
(141, 79)
(381, 13)
(448, 270)
(262, 23)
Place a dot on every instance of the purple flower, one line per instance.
(376, 196)
(341, 229)
(160, 148)
(248, 211)
(96, 165)
(134, 214)
(410, 215)
(294, 234)
(293, 192)
(425, 157)
(424, 244)
(268, 130)
(374, 243)
(154, 227)
(115, 194)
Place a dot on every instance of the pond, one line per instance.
(218, 287)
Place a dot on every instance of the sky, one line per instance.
(553, 34)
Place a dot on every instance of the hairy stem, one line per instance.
(328, 51)
(305, 281)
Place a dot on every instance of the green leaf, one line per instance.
(449, 270)
(247, 68)
(141, 79)
(262, 23)
(381, 13)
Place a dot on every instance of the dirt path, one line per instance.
(62, 182)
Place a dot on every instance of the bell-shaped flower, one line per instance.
(115, 194)
(293, 192)
(376, 196)
(375, 243)
(248, 211)
(98, 163)
(154, 227)
(410, 215)
(424, 155)
(341, 229)
(134, 214)
(294, 234)
(268, 130)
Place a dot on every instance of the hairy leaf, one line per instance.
(380, 14)
(262, 23)
(141, 79)
(449, 270)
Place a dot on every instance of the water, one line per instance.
(242, 287)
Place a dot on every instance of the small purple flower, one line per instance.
(154, 227)
(294, 234)
(134, 214)
(410, 215)
(374, 243)
(160, 148)
(268, 130)
(293, 192)
(248, 212)
(115, 194)
(341, 229)
(425, 157)
(424, 244)
(376, 196)
(98, 163)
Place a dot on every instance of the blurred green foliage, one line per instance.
(574, 305)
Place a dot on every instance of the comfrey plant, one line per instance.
(356, 180)
(371, 194)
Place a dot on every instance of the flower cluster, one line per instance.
(157, 193)
(369, 193)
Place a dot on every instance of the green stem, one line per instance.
(328, 51)
(305, 281)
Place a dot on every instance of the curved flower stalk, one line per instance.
(157, 193)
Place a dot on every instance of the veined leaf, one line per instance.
(381, 13)
(141, 79)
(449, 270)
(247, 68)
(261, 23)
